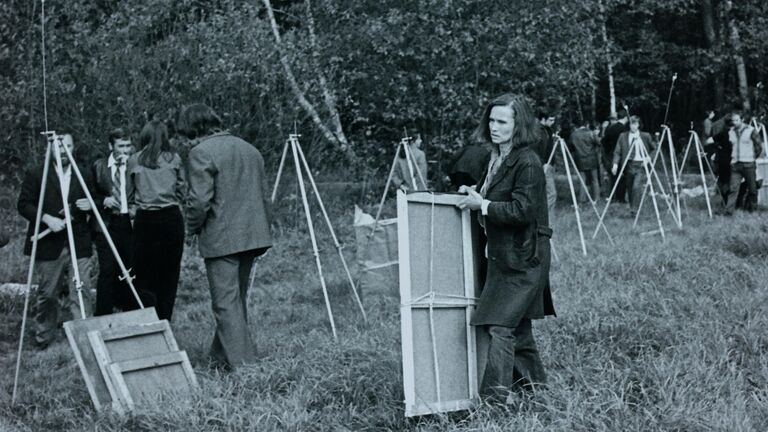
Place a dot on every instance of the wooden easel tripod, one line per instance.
(300, 163)
(569, 162)
(55, 148)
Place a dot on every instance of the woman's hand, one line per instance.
(472, 201)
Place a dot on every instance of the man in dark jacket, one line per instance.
(53, 254)
(586, 150)
(512, 201)
(228, 209)
(636, 147)
(610, 138)
(112, 190)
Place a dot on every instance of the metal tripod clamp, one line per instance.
(127, 276)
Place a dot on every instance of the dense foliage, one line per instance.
(427, 65)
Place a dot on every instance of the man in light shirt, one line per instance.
(112, 189)
(53, 254)
(746, 147)
(637, 146)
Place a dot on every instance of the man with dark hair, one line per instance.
(228, 209)
(636, 146)
(53, 254)
(610, 138)
(546, 145)
(467, 165)
(586, 150)
(746, 147)
(112, 191)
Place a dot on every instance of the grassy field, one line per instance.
(650, 336)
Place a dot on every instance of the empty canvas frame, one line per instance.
(77, 335)
(439, 286)
(129, 343)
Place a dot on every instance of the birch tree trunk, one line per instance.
(608, 57)
(738, 58)
(338, 136)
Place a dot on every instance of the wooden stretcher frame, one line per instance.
(100, 339)
(77, 335)
(118, 369)
(414, 407)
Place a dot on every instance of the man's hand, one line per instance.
(615, 169)
(54, 223)
(111, 203)
(83, 204)
(473, 200)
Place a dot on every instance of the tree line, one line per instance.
(350, 75)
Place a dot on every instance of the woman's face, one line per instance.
(501, 124)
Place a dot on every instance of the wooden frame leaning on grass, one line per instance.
(442, 353)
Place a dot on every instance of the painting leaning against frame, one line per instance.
(512, 199)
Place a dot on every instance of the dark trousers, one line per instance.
(636, 180)
(228, 278)
(739, 171)
(111, 292)
(592, 180)
(513, 360)
(158, 243)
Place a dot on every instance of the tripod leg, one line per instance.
(561, 144)
(675, 177)
(418, 170)
(655, 204)
(613, 191)
(311, 227)
(409, 161)
(126, 274)
(280, 171)
(70, 232)
(586, 189)
(330, 228)
(31, 270)
(700, 153)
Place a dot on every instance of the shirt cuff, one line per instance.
(484, 207)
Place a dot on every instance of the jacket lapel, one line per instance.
(506, 164)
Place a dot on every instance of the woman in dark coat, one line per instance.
(512, 200)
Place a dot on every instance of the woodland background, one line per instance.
(351, 74)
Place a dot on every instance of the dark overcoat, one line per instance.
(517, 283)
(585, 149)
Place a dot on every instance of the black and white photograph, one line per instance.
(383, 215)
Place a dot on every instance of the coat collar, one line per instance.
(507, 163)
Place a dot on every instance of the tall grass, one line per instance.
(650, 335)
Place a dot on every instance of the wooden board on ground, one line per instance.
(142, 381)
(129, 343)
(439, 286)
(77, 334)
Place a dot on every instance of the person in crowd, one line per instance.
(467, 165)
(113, 192)
(404, 176)
(720, 148)
(544, 150)
(158, 178)
(228, 209)
(512, 201)
(746, 147)
(706, 126)
(586, 151)
(642, 147)
(610, 138)
(53, 256)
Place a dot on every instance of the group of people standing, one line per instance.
(146, 196)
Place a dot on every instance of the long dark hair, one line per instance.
(198, 120)
(154, 143)
(526, 130)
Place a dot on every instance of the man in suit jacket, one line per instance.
(610, 138)
(228, 209)
(112, 192)
(642, 146)
(53, 254)
(746, 147)
(586, 154)
(467, 165)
